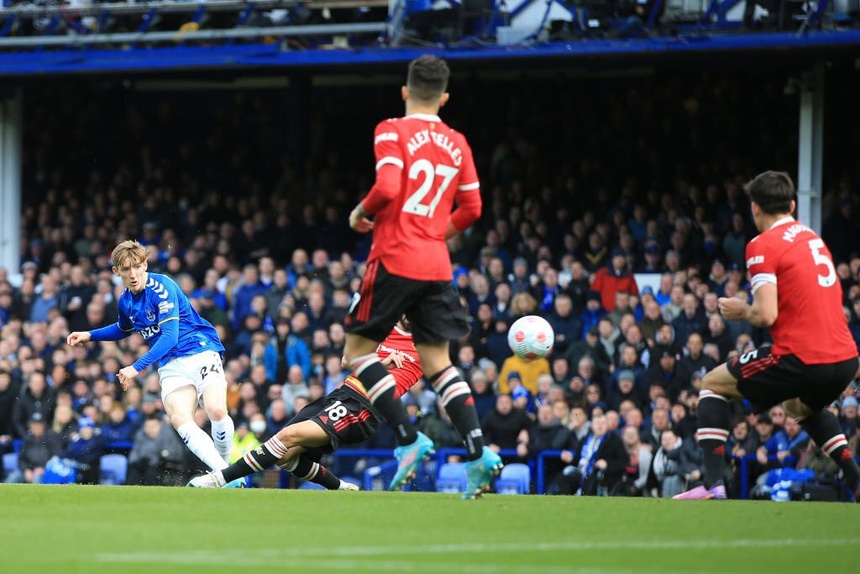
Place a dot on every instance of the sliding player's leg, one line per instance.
(305, 465)
(345, 416)
(304, 433)
(342, 416)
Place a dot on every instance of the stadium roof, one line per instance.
(787, 49)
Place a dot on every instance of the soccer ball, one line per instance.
(531, 337)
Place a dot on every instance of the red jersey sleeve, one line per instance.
(761, 262)
(389, 164)
(400, 343)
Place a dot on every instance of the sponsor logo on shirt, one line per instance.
(386, 137)
(150, 332)
(164, 307)
(755, 260)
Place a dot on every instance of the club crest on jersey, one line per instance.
(150, 314)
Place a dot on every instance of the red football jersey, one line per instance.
(399, 342)
(424, 165)
(810, 323)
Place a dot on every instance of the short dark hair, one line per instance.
(428, 78)
(773, 191)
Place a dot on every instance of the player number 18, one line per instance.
(829, 280)
(336, 410)
(429, 171)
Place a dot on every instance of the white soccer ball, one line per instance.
(531, 337)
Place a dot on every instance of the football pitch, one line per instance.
(64, 529)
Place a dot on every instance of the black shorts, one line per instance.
(433, 307)
(767, 379)
(344, 414)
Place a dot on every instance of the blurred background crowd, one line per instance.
(643, 177)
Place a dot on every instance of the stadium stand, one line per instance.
(648, 166)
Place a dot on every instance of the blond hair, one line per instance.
(129, 251)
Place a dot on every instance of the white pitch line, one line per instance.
(269, 556)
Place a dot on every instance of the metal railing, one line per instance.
(62, 26)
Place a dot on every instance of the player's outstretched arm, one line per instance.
(110, 333)
(78, 338)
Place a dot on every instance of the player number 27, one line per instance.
(430, 172)
(829, 280)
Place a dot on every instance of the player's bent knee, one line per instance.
(177, 420)
(216, 413)
(288, 436)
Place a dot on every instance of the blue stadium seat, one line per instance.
(311, 486)
(514, 479)
(114, 468)
(10, 463)
(452, 477)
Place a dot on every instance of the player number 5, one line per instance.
(829, 280)
(429, 171)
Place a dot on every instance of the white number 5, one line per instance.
(424, 167)
(820, 258)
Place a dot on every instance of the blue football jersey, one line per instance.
(160, 301)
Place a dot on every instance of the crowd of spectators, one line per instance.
(261, 246)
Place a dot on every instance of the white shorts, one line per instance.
(200, 370)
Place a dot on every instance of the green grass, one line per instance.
(164, 530)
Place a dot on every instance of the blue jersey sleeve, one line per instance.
(112, 332)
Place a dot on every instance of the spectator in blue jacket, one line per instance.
(285, 350)
(566, 325)
(790, 441)
(593, 312)
(119, 427)
(86, 450)
(251, 287)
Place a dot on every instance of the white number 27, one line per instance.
(429, 171)
(821, 259)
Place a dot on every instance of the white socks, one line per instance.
(200, 444)
(222, 436)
